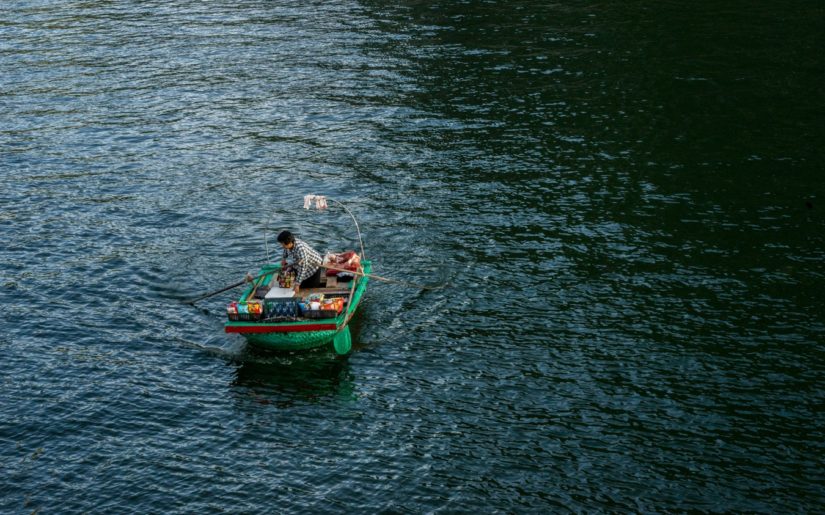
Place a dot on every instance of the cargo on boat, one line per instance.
(272, 317)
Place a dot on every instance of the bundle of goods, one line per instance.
(316, 306)
(244, 311)
(348, 260)
(286, 277)
(313, 302)
(334, 304)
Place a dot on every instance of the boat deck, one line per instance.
(342, 289)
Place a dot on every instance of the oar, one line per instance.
(378, 277)
(224, 289)
(343, 339)
(192, 301)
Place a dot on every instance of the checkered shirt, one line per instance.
(306, 260)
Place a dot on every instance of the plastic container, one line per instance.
(280, 307)
(280, 293)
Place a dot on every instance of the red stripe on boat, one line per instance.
(279, 328)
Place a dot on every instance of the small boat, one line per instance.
(270, 317)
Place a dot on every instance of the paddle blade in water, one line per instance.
(342, 342)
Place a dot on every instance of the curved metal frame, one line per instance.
(360, 240)
(357, 228)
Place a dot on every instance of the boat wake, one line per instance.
(233, 351)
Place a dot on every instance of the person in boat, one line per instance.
(306, 260)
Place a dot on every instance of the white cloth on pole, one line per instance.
(320, 201)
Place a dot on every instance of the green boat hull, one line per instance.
(302, 334)
(291, 341)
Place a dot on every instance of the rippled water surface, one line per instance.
(624, 201)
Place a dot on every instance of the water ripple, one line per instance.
(620, 203)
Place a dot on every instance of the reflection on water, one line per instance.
(286, 379)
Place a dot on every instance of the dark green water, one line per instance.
(625, 200)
